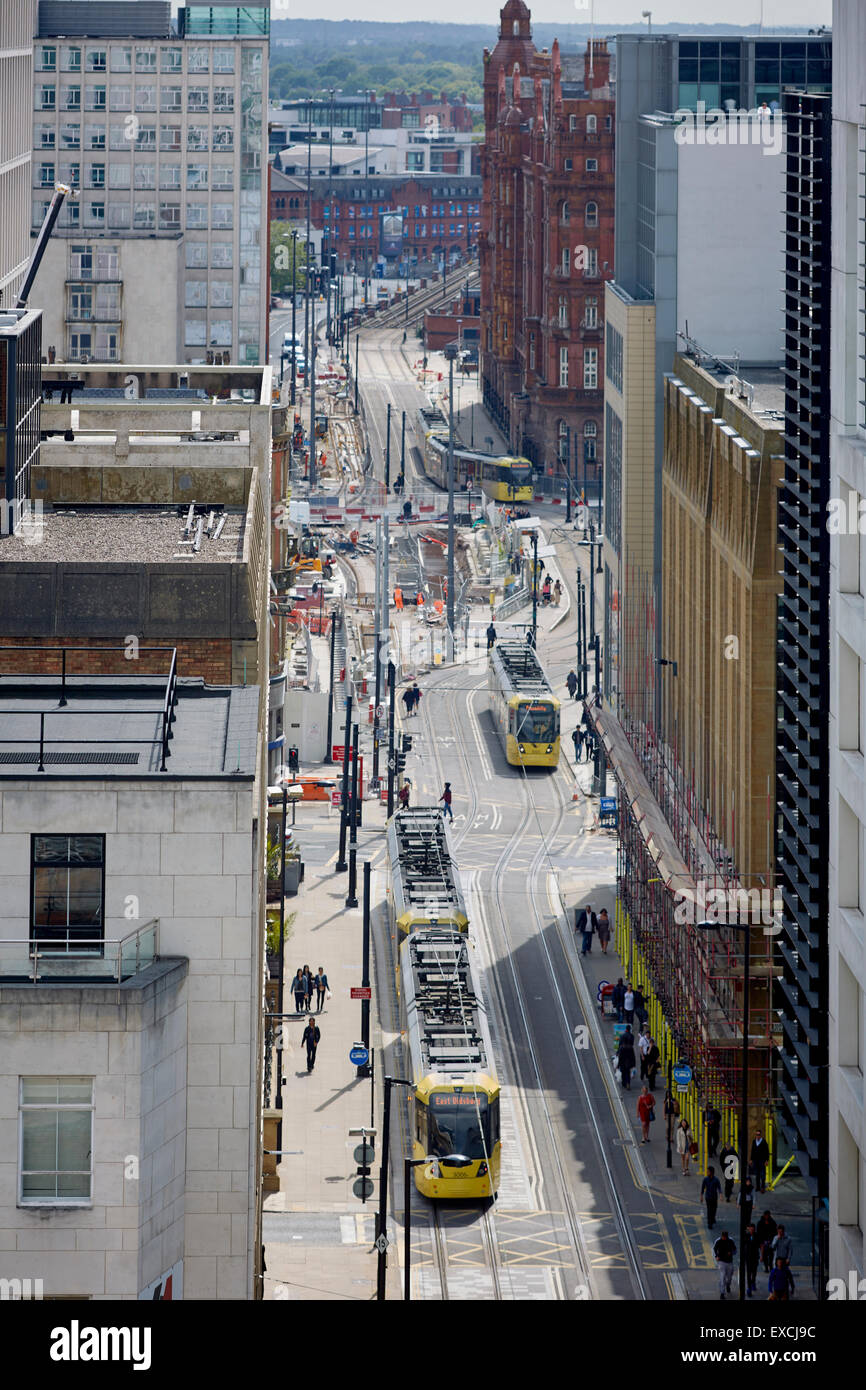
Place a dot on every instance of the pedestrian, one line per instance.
(746, 1198)
(729, 1165)
(639, 1006)
(711, 1190)
(617, 998)
(759, 1157)
(753, 1257)
(603, 930)
(320, 980)
(310, 1039)
(445, 798)
(713, 1121)
(653, 1062)
(782, 1247)
(299, 989)
(724, 1251)
(643, 1043)
(625, 1058)
(545, 591)
(585, 922)
(491, 636)
(408, 700)
(645, 1113)
(628, 1005)
(403, 796)
(778, 1283)
(416, 697)
(766, 1232)
(308, 987)
(670, 1106)
(577, 740)
(684, 1143)
(557, 594)
(571, 684)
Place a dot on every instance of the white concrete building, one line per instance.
(847, 886)
(131, 949)
(161, 130)
(16, 81)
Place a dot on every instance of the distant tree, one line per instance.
(281, 258)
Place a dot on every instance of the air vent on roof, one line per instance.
(68, 759)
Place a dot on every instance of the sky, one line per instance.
(608, 13)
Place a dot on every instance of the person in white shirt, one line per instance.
(628, 1004)
(643, 1043)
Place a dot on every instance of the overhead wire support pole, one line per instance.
(450, 597)
(388, 449)
(391, 755)
(341, 864)
(357, 346)
(294, 314)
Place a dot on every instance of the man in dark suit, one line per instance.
(586, 923)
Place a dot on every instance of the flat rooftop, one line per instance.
(765, 382)
(112, 726)
(143, 535)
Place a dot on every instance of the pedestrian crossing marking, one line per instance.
(653, 1240)
(695, 1241)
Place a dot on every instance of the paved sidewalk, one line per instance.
(318, 1236)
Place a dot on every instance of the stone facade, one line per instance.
(547, 245)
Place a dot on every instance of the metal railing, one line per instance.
(35, 960)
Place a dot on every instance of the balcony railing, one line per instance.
(89, 959)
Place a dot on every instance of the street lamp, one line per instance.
(381, 1232)
(408, 1165)
(744, 1097)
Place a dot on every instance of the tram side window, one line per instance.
(493, 1113)
(420, 1122)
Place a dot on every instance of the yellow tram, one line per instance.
(502, 478)
(524, 708)
(455, 1121)
(423, 884)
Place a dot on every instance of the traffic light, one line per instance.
(401, 761)
(333, 265)
(294, 764)
(406, 745)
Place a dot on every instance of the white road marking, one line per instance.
(348, 1230)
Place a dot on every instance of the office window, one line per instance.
(80, 262)
(196, 294)
(169, 216)
(96, 175)
(94, 137)
(591, 125)
(590, 437)
(94, 98)
(46, 96)
(572, 123)
(223, 98)
(197, 99)
(590, 215)
(196, 176)
(608, 122)
(145, 60)
(563, 311)
(70, 59)
(67, 878)
(563, 438)
(221, 333)
(196, 137)
(118, 215)
(590, 313)
(568, 165)
(38, 211)
(170, 98)
(590, 369)
(70, 98)
(146, 138)
(197, 60)
(46, 175)
(195, 333)
(222, 215)
(566, 260)
(196, 255)
(121, 58)
(223, 137)
(119, 138)
(592, 166)
(46, 58)
(121, 97)
(97, 60)
(196, 214)
(169, 175)
(145, 97)
(169, 137)
(145, 175)
(563, 366)
(221, 294)
(222, 176)
(55, 1118)
(45, 137)
(223, 60)
(221, 254)
(171, 60)
(564, 213)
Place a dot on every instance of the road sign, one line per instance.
(392, 763)
(382, 1242)
(336, 798)
(361, 992)
(682, 1074)
(380, 711)
(365, 1153)
(358, 1055)
(363, 1187)
(602, 984)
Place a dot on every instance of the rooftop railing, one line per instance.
(87, 959)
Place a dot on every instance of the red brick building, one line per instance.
(441, 214)
(423, 109)
(546, 246)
